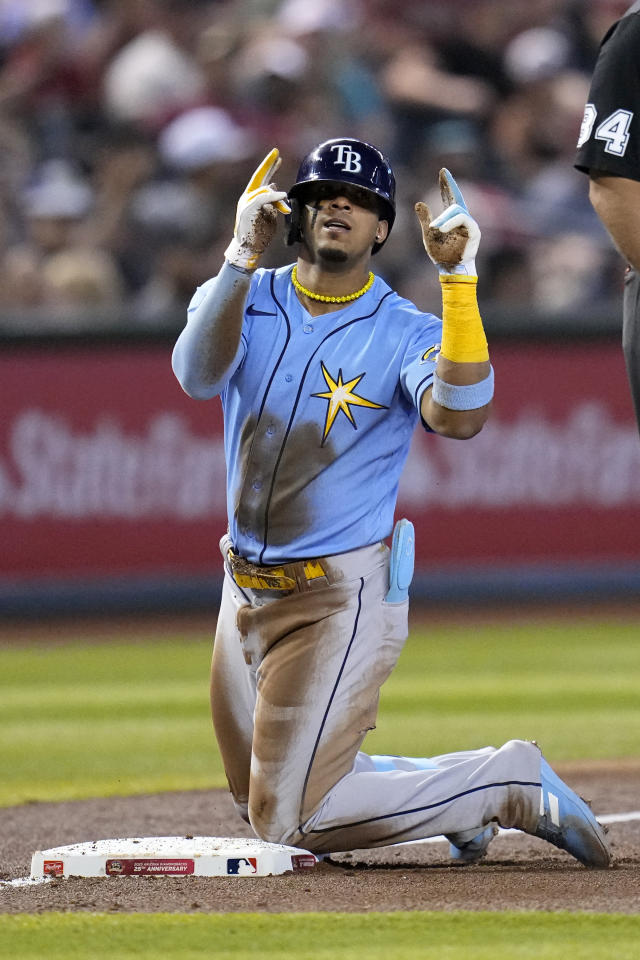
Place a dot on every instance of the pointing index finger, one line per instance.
(263, 173)
(450, 191)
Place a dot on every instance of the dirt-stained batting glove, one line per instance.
(452, 239)
(256, 215)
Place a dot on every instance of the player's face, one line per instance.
(341, 223)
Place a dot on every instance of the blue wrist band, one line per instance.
(468, 397)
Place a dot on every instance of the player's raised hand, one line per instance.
(452, 239)
(256, 215)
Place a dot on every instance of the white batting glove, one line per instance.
(256, 216)
(452, 239)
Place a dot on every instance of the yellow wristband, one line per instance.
(463, 337)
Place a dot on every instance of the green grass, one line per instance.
(570, 685)
(101, 718)
(398, 936)
(106, 718)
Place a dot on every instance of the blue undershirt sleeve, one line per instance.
(215, 314)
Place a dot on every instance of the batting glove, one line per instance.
(256, 215)
(452, 239)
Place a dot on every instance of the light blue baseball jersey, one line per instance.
(318, 414)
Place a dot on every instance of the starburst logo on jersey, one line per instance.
(430, 355)
(341, 396)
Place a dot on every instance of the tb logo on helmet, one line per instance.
(359, 164)
(347, 158)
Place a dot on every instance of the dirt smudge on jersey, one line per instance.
(303, 460)
(297, 458)
(245, 508)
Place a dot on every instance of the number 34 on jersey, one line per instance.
(614, 130)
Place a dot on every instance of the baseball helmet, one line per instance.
(350, 161)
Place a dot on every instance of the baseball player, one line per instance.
(324, 372)
(609, 151)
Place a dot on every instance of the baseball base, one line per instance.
(170, 857)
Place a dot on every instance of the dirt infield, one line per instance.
(519, 873)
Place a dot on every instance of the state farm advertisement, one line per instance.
(106, 467)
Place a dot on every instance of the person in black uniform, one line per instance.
(609, 151)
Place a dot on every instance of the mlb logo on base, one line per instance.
(242, 866)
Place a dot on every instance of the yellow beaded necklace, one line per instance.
(324, 299)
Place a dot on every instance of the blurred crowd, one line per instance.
(128, 129)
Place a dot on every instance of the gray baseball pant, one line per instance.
(294, 686)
